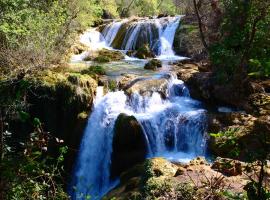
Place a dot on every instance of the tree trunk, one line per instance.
(200, 24)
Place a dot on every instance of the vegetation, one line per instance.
(237, 37)
(35, 37)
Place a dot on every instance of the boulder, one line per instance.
(125, 80)
(129, 145)
(104, 56)
(148, 87)
(228, 167)
(153, 64)
(144, 52)
(157, 167)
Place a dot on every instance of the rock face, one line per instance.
(129, 145)
(157, 178)
(153, 64)
(62, 102)
(187, 40)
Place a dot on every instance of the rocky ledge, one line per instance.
(158, 178)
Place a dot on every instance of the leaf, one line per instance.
(36, 122)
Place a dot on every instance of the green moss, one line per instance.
(102, 59)
(112, 85)
(104, 56)
(82, 115)
(99, 70)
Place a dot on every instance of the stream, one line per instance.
(173, 124)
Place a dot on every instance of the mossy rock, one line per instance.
(104, 56)
(153, 64)
(129, 145)
(144, 52)
(62, 100)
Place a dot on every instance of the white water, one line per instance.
(158, 33)
(94, 40)
(167, 37)
(173, 127)
(111, 31)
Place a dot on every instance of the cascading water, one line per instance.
(111, 31)
(132, 34)
(167, 38)
(173, 127)
(157, 33)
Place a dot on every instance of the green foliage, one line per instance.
(228, 140)
(94, 70)
(146, 7)
(245, 43)
(29, 174)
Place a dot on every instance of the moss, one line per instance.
(102, 59)
(82, 115)
(144, 52)
(153, 64)
(104, 56)
(92, 70)
(112, 85)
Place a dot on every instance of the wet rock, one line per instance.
(153, 64)
(126, 79)
(149, 86)
(129, 145)
(162, 15)
(144, 52)
(104, 56)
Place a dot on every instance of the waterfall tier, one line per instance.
(173, 125)
(157, 33)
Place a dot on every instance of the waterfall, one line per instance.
(167, 38)
(111, 30)
(174, 127)
(158, 33)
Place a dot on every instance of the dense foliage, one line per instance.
(244, 46)
(35, 35)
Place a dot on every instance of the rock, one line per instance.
(228, 167)
(78, 48)
(149, 86)
(266, 85)
(130, 53)
(144, 52)
(259, 104)
(198, 161)
(62, 101)
(162, 15)
(129, 145)
(157, 167)
(104, 56)
(153, 64)
(125, 80)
